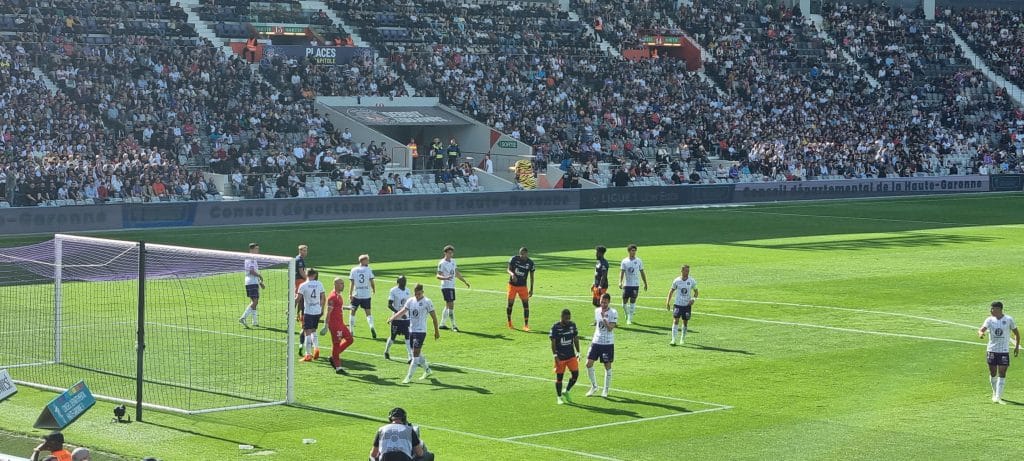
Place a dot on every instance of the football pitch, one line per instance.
(824, 330)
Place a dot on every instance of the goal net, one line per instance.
(72, 310)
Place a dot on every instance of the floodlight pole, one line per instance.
(140, 340)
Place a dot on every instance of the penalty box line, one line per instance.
(796, 324)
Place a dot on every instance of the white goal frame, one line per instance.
(58, 266)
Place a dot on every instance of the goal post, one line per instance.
(168, 340)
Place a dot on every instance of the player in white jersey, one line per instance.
(396, 300)
(313, 298)
(685, 289)
(447, 272)
(602, 345)
(999, 327)
(631, 272)
(253, 283)
(417, 308)
(360, 291)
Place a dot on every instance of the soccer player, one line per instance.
(360, 292)
(631, 271)
(685, 289)
(341, 337)
(253, 283)
(397, 297)
(602, 345)
(565, 348)
(600, 286)
(312, 296)
(417, 308)
(300, 273)
(447, 272)
(999, 325)
(518, 268)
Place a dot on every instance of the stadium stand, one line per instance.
(996, 35)
(113, 95)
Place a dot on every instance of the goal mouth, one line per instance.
(156, 326)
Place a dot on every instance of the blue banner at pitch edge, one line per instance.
(7, 387)
(1007, 182)
(66, 408)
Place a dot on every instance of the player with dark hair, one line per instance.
(447, 272)
(518, 268)
(631, 271)
(253, 284)
(602, 345)
(600, 286)
(418, 307)
(313, 298)
(341, 337)
(999, 326)
(396, 300)
(685, 289)
(300, 273)
(565, 349)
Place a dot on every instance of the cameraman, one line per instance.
(399, 441)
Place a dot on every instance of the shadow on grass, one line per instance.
(1011, 402)
(352, 364)
(484, 335)
(603, 410)
(875, 243)
(717, 349)
(439, 386)
(302, 406)
(650, 403)
(374, 379)
(195, 433)
(446, 368)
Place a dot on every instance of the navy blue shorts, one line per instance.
(605, 353)
(252, 291)
(360, 302)
(630, 293)
(400, 327)
(682, 312)
(999, 358)
(416, 340)
(310, 321)
(448, 294)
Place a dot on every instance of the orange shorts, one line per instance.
(598, 292)
(572, 364)
(298, 282)
(522, 292)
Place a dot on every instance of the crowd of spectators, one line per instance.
(997, 36)
(130, 116)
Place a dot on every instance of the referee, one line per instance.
(397, 440)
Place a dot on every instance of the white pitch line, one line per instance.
(617, 423)
(830, 307)
(485, 437)
(779, 322)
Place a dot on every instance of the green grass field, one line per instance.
(824, 330)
